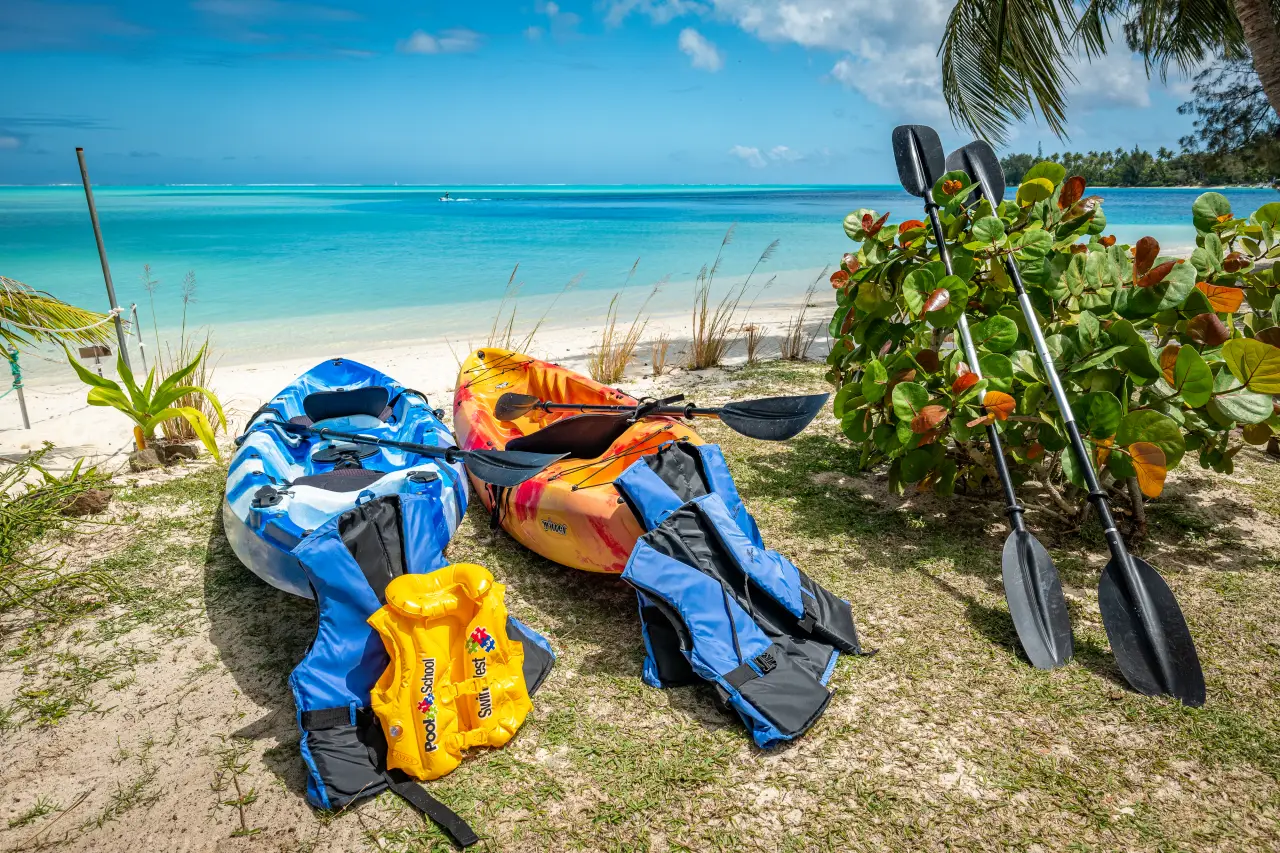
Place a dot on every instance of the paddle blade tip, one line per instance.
(1036, 602)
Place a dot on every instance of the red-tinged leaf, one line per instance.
(885, 347)
(1108, 241)
(1034, 451)
(849, 320)
(849, 263)
(931, 436)
(937, 300)
(928, 359)
(1234, 262)
(1144, 255)
(1079, 248)
(1270, 335)
(900, 376)
(910, 225)
(1150, 465)
(839, 279)
(1168, 358)
(1157, 274)
(951, 187)
(1072, 189)
(1224, 299)
(963, 383)
(999, 404)
(982, 421)
(873, 228)
(928, 418)
(1208, 329)
(867, 221)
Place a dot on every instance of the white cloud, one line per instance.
(563, 24)
(750, 156)
(782, 152)
(1118, 79)
(658, 11)
(449, 41)
(533, 33)
(702, 53)
(9, 142)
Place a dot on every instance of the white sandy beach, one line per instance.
(59, 413)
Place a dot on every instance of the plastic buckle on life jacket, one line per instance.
(767, 662)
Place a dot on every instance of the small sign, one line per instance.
(96, 351)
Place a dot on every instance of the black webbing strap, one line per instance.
(440, 814)
(325, 718)
(765, 663)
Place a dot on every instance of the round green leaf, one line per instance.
(997, 333)
(1061, 348)
(908, 399)
(1160, 430)
(1051, 171)
(988, 229)
(1255, 364)
(1034, 190)
(1099, 413)
(916, 465)
(874, 377)
(1206, 210)
(997, 369)
(1241, 407)
(857, 425)
(916, 287)
(1192, 378)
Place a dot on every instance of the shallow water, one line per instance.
(276, 264)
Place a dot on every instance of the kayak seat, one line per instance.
(585, 436)
(341, 479)
(324, 405)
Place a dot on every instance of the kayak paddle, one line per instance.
(1031, 584)
(770, 419)
(500, 467)
(1148, 633)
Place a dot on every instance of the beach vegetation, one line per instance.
(151, 404)
(169, 361)
(36, 503)
(503, 333)
(609, 358)
(658, 351)
(753, 337)
(715, 322)
(29, 317)
(1163, 358)
(796, 339)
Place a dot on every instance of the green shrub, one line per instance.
(1161, 357)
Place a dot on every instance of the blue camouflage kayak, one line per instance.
(281, 487)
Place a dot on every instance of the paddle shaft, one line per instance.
(448, 454)
(663, 411)
(1138, 592)
(1012, 508)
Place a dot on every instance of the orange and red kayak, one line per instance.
(570, 513)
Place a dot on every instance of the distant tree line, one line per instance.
(1236, 141)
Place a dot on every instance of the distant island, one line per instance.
(1139, 168)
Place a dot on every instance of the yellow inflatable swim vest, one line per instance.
(455, 680)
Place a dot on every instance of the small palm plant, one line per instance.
(152, 404)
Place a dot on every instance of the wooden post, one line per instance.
(102, 256)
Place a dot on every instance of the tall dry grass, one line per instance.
(169, 359)
(795, 343)
(753, 336)
(713, 325)
(502, 335)
(609, 358)
(658, 354)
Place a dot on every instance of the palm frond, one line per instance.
(1184, 33)
(29, 316)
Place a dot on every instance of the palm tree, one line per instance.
(29, 316)
(1004, 60)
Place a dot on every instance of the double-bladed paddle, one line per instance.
(500, 467)
(1031, 585)
(1148, 633)
(770, 419)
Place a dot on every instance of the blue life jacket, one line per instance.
(348, 562)
(716, 605)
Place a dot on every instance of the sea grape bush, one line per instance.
(1161, 357)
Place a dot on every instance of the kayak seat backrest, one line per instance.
(325, 405)
(680, 466)
(585, 436)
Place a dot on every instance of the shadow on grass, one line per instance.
(261, 633)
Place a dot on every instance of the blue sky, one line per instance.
(598, 91)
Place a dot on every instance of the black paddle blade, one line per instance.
(978, 160)
(774, 418)
(507, 467)
(1036, 602)
(918, 152)
(511, 406)
(1157, 659)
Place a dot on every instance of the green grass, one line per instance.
(946, 739)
